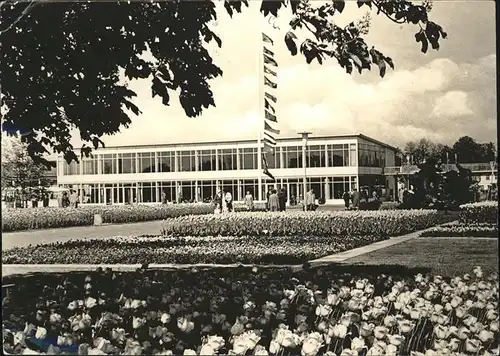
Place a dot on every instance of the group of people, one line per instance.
(223, 202)
(276, 200)
(354, 198)
(66, 200)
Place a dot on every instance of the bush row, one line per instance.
(462, 230)
(259, 250)
(299, 223)
(482, 212)
(43, 218)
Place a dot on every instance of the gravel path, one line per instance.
(34, 237)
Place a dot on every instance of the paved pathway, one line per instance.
(35, 237)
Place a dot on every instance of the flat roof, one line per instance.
(280, 139)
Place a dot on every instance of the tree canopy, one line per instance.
(466, 149)
(61, 62)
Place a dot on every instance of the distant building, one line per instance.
(194, 171)
(485, 174)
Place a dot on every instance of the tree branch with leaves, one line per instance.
(62, 62)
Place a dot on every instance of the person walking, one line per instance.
(267, 199)
(310, 200)
(274, 201)
(249, 201)
(229, 201)
(282, 199)
(218, 201)
(355, 198)
(347, 197)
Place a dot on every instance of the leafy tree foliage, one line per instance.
(18, 168)
(466, 149)
(61, 62)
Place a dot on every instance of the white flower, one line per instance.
(184, 325)
(215, 342)
(96, 352)
(90, 302)
(485, 335)
(41, 333)
(29, 352)
(391, 350)
(138, 322)
(332, 299)
(311, 346)
(189, 352)
(73, 305)
(380, 332)
(260, 351)
(165, 318)
(274, 347)
(207, 350)
(323, 310)
(396, 340)
(339, 331)
(358, 344)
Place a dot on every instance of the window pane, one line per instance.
(293, 157)
(146, 162)
(248, 158)
(186, 161)
(227, 159)
(207, 161)
(108, 164)
(166, 162)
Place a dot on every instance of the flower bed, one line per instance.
(237, 312)
(44, 218)
(463, 230)
(298, 223)
(483, 212)
(241, 207)
(161, 250)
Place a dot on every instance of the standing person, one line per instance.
(274, 201)
(282, 199)
(72, 199)
(347, 197)
(249, 201)
(229, 201)
(309, 200)
(218, 200)
(163, 197)
(355, 198)
(267, 199)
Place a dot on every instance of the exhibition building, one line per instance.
(194, 172)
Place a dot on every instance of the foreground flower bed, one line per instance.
(44, 218)
(463, 230)
(161, 250)
(242, 312)
(299, 223)
(483, 212)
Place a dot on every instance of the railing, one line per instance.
(479, 167)
(411, 169)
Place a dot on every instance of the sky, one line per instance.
(441, 95)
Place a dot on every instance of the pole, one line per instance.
(260, 128)
(305, 136)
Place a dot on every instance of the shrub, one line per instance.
(462, 230)
(299, 223)
(241, 207)
(483, 212)
(44, 218)
(163, 250)
(389, 205)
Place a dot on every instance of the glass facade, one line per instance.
(228, 159)
(371, 155)
(207, 160)
(222, 159)
(316, 156)
(186, 161)
(292, 157)
(146, 162)
(341, 155)
(166, 161)
(248, 158)
(127, 163)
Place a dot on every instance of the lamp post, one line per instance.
(305, 136)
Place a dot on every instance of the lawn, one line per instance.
(446, 257)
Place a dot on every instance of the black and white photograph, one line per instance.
(249, 177)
